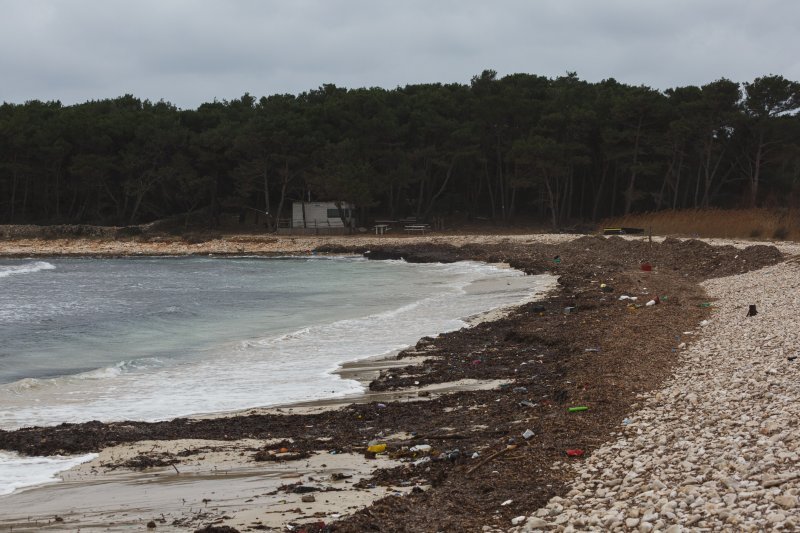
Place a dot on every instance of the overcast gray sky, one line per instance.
(192, 51)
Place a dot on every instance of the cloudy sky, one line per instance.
(192, 51)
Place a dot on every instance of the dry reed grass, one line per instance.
(760, 224)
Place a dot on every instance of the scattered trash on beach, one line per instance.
(507, 502)
(576, 452)
(557, 259)
(752, 311)
(568, 310)
(577, 409)
(606, 288)
(451, 455)
(705, 304)
(646, 267)
(520, 389)
(527, 403)
(420, 448)
(528, 434)
(626, 297)
(375, 447)
(594, 350)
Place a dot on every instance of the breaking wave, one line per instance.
(27, 268)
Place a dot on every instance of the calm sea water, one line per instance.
(155, 338)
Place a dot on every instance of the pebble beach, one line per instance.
(717, 447)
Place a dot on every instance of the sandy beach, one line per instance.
(524, 368)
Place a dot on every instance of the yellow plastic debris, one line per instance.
(377, 448)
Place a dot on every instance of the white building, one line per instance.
(322, 215)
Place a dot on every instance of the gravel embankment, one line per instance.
(718, 447)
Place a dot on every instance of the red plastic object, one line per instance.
(647, 267)
(575, 453)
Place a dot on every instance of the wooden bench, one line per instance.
(417, 228)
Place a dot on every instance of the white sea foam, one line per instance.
(19, 472)
(279, 368)
(27, 268)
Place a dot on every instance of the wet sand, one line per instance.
(218, 484)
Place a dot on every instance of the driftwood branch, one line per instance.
(495, 455)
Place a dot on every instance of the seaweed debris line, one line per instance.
(462, 461)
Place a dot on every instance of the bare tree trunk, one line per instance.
(13, 190)
(634, 169)
(756, 174)
(284, 184)
(442, 188)
(489, 189)
(266, 199)
(678, 181)
(599, 193)
(552, 198)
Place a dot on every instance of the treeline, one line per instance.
(561, 150)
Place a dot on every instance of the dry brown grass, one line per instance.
(760, 224)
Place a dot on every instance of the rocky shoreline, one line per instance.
(489, 458)
(717, 448)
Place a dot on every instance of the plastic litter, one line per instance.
(376, 448)
(528, 434)
(577, 452)
(520, 389)
(577, 409)
(651, 303)
(420, 448)
(626, 421)
(452, 455)
(557, 259)
(526, 403)
(381, 406)
(752, 311)
(646, 267)
(568, 310)
(507, 502)
(606, 288)
(705, 304)
(475, 455)
(626, 297)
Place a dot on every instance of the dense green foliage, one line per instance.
(560, 150)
